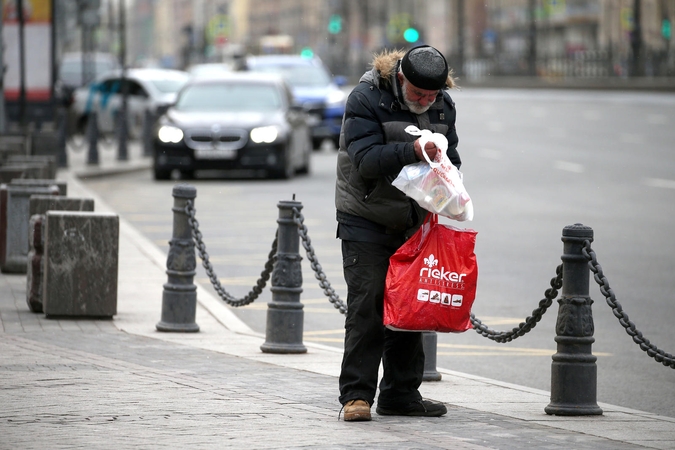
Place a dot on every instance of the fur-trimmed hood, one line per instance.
(386, 63)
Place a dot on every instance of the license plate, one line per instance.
(212, 153)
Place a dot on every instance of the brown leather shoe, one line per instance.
(357, 410)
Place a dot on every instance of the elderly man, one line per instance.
(375, 219)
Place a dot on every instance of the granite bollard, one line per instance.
(5, 152)
(14, 220)
(42, 182)
(14, 143)
(46, 160)
(34, 267)
(38, 207)
(81, 255)
(30, 169)
(13, 172)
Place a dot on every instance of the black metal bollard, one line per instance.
(284, 313)
(430, 341)
(122, 134)
(61, 136)
(148, 126)
(92, 138)
(179, 299)
(573, 371)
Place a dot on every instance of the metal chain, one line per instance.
(530, 322)
(224, 295)
(298, 218)
(659, 355)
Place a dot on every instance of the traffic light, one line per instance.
(335, 24)
(666, 29)
(306, 52)
(411, 35)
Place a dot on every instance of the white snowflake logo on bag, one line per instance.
(431, 261)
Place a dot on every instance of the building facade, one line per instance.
(481, 38)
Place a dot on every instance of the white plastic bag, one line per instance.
(435, 185)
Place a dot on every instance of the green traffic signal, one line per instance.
(335, 24)
(666, 29)
(306, 52)
(411, 35)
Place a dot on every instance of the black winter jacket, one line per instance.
(374, 147)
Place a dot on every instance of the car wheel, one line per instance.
(316, 144)
(162, 174)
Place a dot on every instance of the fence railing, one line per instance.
(593, 64)
(573, 370)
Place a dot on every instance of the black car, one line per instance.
(234, 121)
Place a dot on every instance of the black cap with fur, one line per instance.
(425, 67)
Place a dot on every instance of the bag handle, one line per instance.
(437, 138)
(430, 220)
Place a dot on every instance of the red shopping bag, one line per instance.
(431, 282)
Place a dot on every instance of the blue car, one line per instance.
(314, 88)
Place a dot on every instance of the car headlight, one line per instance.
(168, 133)
(336, 98)
(264, 134)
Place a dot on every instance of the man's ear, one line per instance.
(399, 77)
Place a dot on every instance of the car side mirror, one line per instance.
(162, 109)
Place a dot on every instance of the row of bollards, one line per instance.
(92, 136)
(573, 370)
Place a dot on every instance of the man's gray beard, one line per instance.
(416, 108)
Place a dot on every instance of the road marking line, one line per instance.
(569, 166)
(660, 183)
(316, 333)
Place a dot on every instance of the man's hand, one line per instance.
(430, 149)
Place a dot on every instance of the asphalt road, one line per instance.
(533, 163)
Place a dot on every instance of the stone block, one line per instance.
(31, 169)
(8, 174)
(38, 207)
(45, 142)
(5, 153)
(40, 204)
(81, 253)
(46, 160)
(42, 182)
(34, 266)
(14, 220)
(15, 143)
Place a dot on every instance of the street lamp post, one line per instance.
(123, 132)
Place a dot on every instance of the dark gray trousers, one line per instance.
(367, 341)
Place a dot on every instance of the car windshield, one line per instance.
(70, 72)
(229, 97)
(297, 75)
(169, 85)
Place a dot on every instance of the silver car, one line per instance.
(148, 90)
